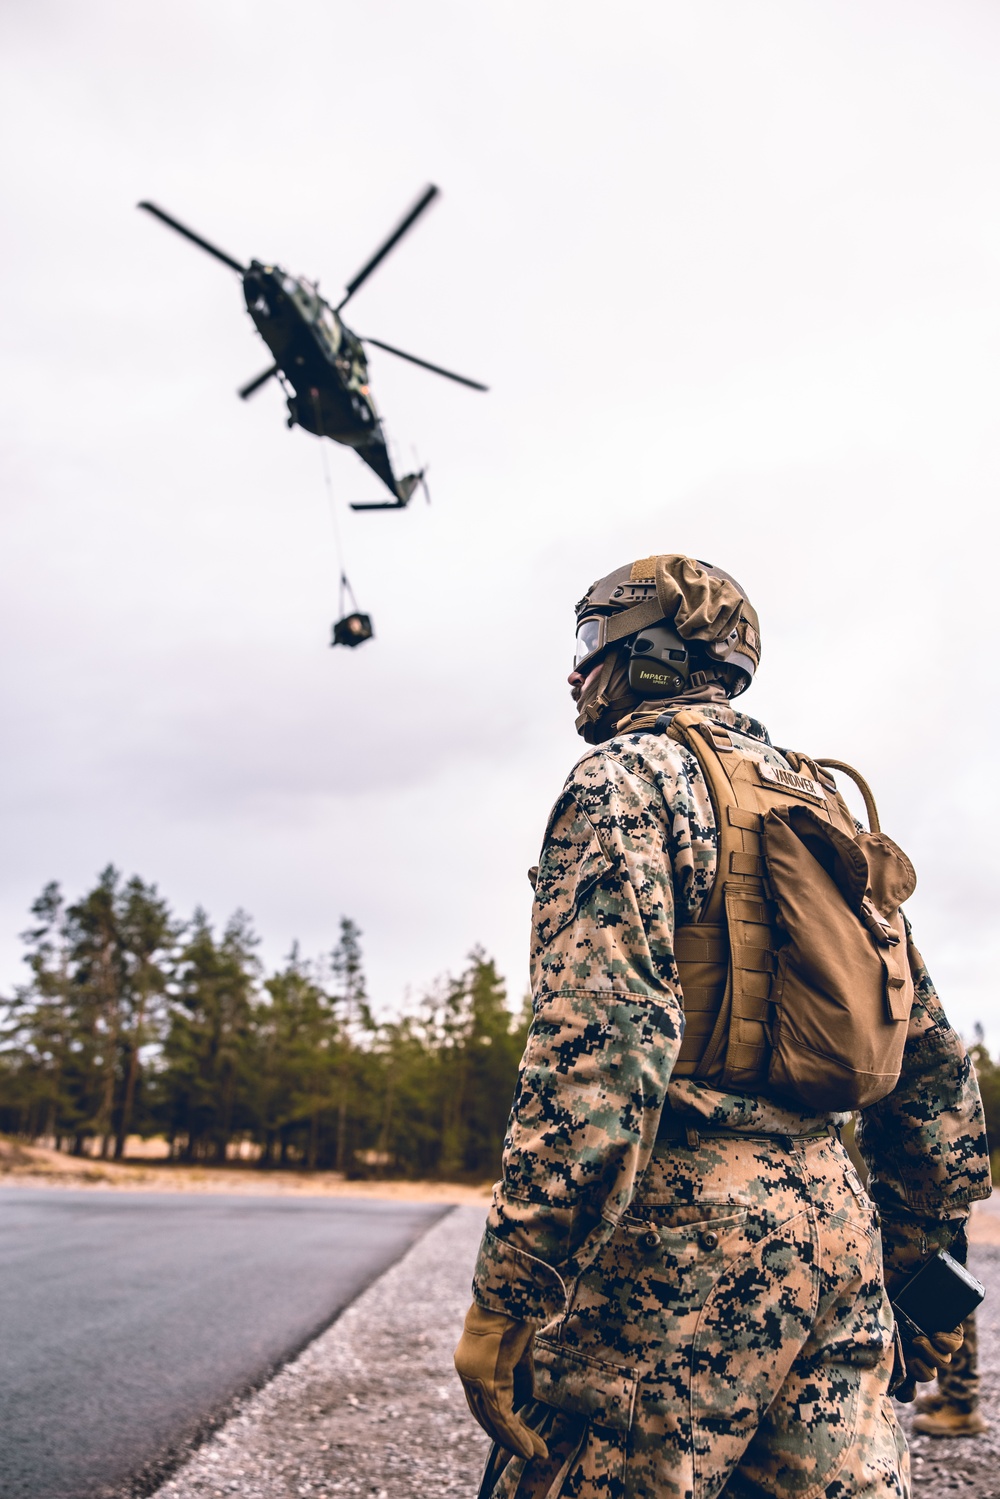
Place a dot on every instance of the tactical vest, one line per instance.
(795, 977)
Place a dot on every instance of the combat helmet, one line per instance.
(659, 626)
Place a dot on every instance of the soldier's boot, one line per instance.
(946, 1421)
(933, 1401)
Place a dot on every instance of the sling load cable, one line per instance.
(354, 628)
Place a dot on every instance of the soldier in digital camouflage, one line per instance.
(952, 1410)
(682, 1287)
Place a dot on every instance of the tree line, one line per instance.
(988, 1073)
(134, 1022)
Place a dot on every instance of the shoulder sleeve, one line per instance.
(604, 901)
(925, 1144)
(606, 1031)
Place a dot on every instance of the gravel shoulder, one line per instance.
(373, 1408)
(969, 1468)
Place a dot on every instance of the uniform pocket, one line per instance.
(603, 1393)
(684, 1219)
(583, 1409)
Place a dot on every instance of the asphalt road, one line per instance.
(127, 1322)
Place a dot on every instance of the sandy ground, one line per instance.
(30, 1166)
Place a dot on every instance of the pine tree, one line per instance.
(74, 1035)
(208, 1042)
(295, 1038)
(99, 981)
(130, 1022)
(354, 1024)
(479, 1043)
(149, 935)
(37, 1032)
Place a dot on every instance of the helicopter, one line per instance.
(319, 361)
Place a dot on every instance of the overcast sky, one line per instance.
(731, 272)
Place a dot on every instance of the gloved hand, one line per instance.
(920, 1359)
(494, 1363)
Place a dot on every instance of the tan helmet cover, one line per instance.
(703, 603)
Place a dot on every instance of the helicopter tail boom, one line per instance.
(404, 492)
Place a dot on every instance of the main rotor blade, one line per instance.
(425, 364)
(203, 244)
(247, 390)
(428, 197)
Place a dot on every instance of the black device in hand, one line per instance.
(938, 1298)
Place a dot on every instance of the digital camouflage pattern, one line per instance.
(743, 1267)
(958, 1385)
(630, 850)
(925, 1144)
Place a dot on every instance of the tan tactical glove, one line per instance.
(494, 1363)
(924, 1358)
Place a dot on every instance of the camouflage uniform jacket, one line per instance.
(629, 851)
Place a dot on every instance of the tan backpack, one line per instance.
(796, 979)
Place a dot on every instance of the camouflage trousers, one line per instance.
(733, 1338)
(959, 1383)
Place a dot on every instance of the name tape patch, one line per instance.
(804, 785)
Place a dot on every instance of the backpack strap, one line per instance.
(730, 1043)
(874, 825)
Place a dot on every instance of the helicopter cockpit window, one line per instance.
(330, 327)
(290, 285)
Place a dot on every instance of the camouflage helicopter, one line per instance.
(319, 360)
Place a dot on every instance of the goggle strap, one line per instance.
(639, 617)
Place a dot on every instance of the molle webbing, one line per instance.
(727, 958)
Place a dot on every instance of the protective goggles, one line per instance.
(589, 637)
(595, 632)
